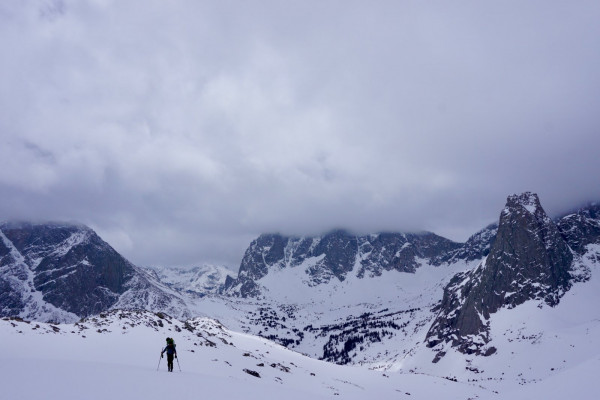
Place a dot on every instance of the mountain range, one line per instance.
(412, 302)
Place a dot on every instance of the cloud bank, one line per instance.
(180, 130)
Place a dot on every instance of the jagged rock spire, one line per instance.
(528, 260)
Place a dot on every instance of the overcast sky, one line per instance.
(180, 130)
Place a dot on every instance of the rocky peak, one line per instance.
(527, 200)
(528, 260)
(264, 252)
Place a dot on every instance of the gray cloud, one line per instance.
(180, 131)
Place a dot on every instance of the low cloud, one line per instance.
(180, 131)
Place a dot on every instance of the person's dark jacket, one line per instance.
(170, 349)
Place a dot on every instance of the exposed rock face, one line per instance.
(58, 272)
(334, 256)
(581, 228)
(475, 248)
(529, 259)
(72, 267)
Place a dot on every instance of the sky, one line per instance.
(182, 130)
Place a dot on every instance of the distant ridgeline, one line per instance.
(61, 273)
(339, 253)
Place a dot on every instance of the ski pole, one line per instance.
(159, 361)
(177, 358)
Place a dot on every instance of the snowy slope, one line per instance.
(117, 355)
(542, 353)
(206, 279)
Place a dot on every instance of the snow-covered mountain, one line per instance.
(63, 272)
(445, 296)
(335, 256)
(516, 304)
(200, 281)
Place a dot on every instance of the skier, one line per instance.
(171, 352)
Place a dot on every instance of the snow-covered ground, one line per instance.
(117, 357)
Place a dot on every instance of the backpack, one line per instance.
(170, 341)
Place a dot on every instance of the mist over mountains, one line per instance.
(384, 300)
(70, 269)
(315, 199)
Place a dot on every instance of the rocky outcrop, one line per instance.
(581, 228)
(529, 259)
(334, 256)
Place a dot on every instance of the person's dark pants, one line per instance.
(170, 362)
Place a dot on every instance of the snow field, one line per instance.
(119, 363)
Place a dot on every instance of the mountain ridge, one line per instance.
(334, 256)
(314, 294)
(63, 272)
(512, 306)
